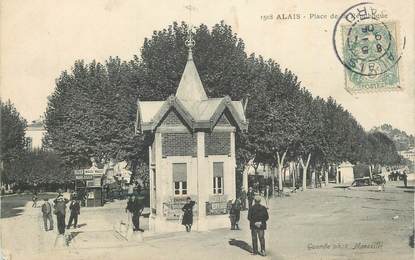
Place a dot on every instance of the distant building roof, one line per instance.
(36, 125)
(192, 104)
(345, 164)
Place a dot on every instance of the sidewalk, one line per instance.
(332, 216)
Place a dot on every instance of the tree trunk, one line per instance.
(313, 179)
(285, 175)
(280, 163)
(305, 166)
(370, 174)
(273, 169)
(292, 169)
(326, 176)
(337, 174)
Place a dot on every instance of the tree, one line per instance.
(380, 150)
(39, 167)
(13, 127)
(92, 114)
(12, 141)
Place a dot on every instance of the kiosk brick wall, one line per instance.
(172, 119)
(179, 144)
(218, 143)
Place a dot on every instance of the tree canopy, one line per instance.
(13, 125)
(92, 110)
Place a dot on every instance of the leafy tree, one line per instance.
(12, 141)
(39, 167)
(13, 127)
(92, 114)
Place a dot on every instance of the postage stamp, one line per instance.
(368, 47)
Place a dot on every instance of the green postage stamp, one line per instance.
(370, 51)
(367, 41)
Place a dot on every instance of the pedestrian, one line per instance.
(75, 209)
(232, 215)
(250, 195)
(383, 183)
(34, 199)
(60, 212)
(187, 209)
(243, 199)
(258, 216)
(236, 207)
(266, 195)
(405, 179)
(135, 207)
(47, 215)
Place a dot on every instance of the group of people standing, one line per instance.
(58, 208)
(257, 217)
(396, 176)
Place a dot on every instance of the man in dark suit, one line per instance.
(250, 195)
(258, 216)
(135, 206)
(75, 209)
(47, 215)
(60, 211)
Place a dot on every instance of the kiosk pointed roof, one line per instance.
(190, 86)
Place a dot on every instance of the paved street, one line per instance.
(328, 223)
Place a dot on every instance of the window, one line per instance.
(218, 178)
(180, 179)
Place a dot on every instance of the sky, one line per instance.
(41, 38)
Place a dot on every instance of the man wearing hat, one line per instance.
(75, 209)
(258, 216)
(250, 195)
(60, 212)
(47, 215)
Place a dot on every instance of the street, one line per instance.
(328, 223)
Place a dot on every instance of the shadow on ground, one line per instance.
(241, 244)
(411, 240)
(82, 225)
(12, 206)
(72, 236)
(407, 187)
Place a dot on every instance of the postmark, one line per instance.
(367, 43)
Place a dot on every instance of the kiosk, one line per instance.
(192, 153)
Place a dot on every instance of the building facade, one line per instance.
(192, 153)
(34, 134)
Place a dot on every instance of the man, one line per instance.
(258, 216)
(47, 215)
(243, 199)
(250, 195)
(75, 209)
(60, 211)
(235, 213)
(405, 178)
(266, 195)
(34, 199)
(135, 207)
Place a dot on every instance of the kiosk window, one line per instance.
(218, 178)
(180, 178)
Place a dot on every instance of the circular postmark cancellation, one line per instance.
(366, 42)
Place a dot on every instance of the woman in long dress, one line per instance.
(187, 209)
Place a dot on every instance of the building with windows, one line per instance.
(34, 134)
(409, 154)
(192, 153)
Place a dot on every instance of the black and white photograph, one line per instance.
(207, 129)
